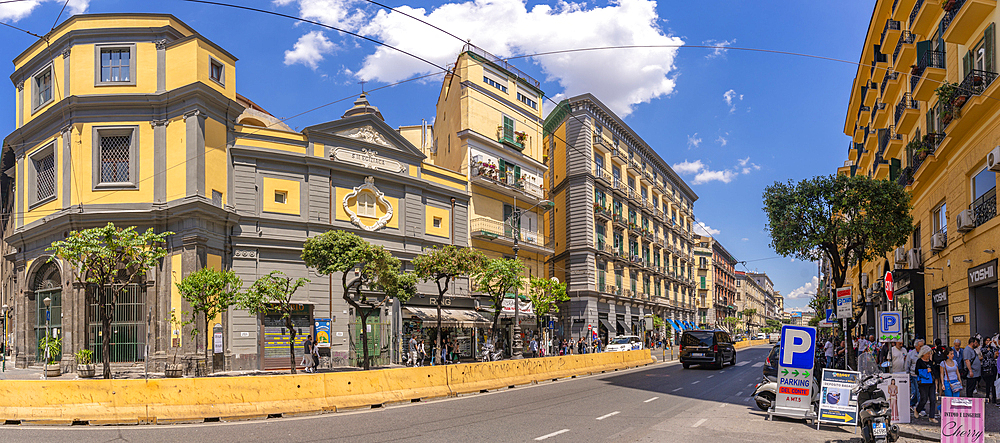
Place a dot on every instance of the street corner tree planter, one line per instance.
(173, 370)
(53, 370)
(85, 367)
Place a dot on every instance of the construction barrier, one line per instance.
(232, 398)
(749, 343)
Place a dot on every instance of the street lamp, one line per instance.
(45, 370)
(515, 225)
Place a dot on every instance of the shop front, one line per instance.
(463, 328)
(276, 336)
(984, 318)
(908, 290)
(939, 301)
(526, 318)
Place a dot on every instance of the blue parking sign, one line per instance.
(798, 347)
(890, 326)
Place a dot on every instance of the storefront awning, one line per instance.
(462, 318)
(689, 325)
(624, 327)
(673, 324)
(607, 325)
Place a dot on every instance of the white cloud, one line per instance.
(694, 141)
(719, 50)
(688, 167)
(339, 13)
(731, 97)
(17, 10)
(722, 140)
(745, 239)
(309, 50)
(746, 166)
(702, 174)
(705, 230)
(707, 175)
(507, 28)
(808, 290)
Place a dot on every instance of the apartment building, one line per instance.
(622, 223)
(723, 283)
(704, 278)
(750, 295)
(922, 112)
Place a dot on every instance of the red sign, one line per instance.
(888, 285)
(793, 391)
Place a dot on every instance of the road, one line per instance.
(657, 403)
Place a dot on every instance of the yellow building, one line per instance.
(941, 144)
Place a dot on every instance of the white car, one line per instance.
(624, 343)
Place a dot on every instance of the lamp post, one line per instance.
(4, 311)
(45, 370)
(515, 225)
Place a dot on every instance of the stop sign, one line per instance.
(888, 285)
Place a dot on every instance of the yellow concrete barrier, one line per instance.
(196, 399)
(749, 343)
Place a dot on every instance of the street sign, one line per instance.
(888, 285)
(890, 326)
(836, 405)
(844, 303)
(830, 318)
(795, 367)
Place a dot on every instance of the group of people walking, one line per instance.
(417, 354)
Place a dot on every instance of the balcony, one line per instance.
(633, 195)
(924, 149)
(901, 9)
(928, 74)
(603, 176)
(890, 86)
(605, 248)
(881, 116)
(864, 114)
(497, 231)
(602, 213)
(924, 16)
(907, 113)
(868, 99)
(620, 154)
(619, 221)
(513, 139)
(635, 166)
(985, 207)
(889, 34)
(488, 175)
(600, 142)
(964, 18)
(905, 51)
(619, 187)
(648, 235)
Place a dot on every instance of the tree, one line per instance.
(273, 293)
(544, 294)
(774, 324)
(378, 271)
(444, 265)
(748, 317)
(731, 322)
(210, 293)
(847, 219)
(106, 260)
(497, 278)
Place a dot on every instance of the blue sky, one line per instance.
(731, 122)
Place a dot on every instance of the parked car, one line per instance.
(624, 343)
(771, 363)
(761, 336)
(711, 347)
(774, 337)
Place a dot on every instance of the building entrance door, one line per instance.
(985, 319)
(941, 325)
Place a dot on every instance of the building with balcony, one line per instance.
(146, 108)
(770, 296)
(704, 299)
(723, 283)
(751, 296)
(622, 223)
(940, 144)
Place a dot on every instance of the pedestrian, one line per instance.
(315, 355)
(989, 352)
(959, 356)
(926, 381)
(911, 369)
(951, 381)
(413, 352)
(534, 347)
(421, 353)
(581, 347)
(973, 365)
(897, 357)
(828, 353)
(307, 355)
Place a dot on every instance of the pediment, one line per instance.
(362, 131)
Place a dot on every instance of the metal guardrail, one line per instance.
(498, 228)
(501, 63)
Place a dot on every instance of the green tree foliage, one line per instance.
(378, 272)
(731, 322)
(107, 259)
(497, 278)
(748, 316)
(273, 293)
(773, 324)
(444, 265)
(210, 293)
(545, 294)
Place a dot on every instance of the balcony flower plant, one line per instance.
(520, 137)
(948, 5)
(487, 169)
(914, 70)
(951, 98)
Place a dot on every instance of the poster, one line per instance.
(897, 392)
(836, 404)
(962, 420)
(322, 332)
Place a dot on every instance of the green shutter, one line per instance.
(894, 166)
(922, 48)
(508, 128)
(990, 44)
(966, 64)
(517, 173)
(503, 169)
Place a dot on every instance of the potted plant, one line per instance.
(174, 369)
(914, 70)
(948, 95)
(85, 363)
(948, 5)
(49, 348)
(520, 137)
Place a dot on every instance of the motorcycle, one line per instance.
(874, 415)
(764, 393)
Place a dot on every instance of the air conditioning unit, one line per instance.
(965, 221)
(993, 159)
(900, 255)
(913, 259)
(864, 280)
(938, 241)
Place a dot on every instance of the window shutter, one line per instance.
(966, 64)
(508, 128)
(922, 48)
(517, 173)
(894, 167)
(990, 44)
(503, 169)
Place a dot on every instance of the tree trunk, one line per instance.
(365, 363)
(291, 342)
(441, 292)
(106, 342)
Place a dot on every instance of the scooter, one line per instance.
(874, 413)
(764, 393)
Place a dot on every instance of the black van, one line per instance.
(713, 347)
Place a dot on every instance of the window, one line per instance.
(42, 176)
(281, 197)
(116, 157)
(115, 64)
(366, 204)
(494, 84)
(437, 222)
(940, 219)
(599, 162)
(217, 71)
(524, 99)
(42, 84)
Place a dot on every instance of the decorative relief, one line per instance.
(20, 86)
(245, 253)
(156, 123)
(365, 134)
(369, 186)
(366, 158)
(65, 53)
(161, 44)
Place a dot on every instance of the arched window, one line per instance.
(366, 204)
(47, 284)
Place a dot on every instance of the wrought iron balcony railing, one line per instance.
(915, 10)
(949, 15)
(929, 59)
(907, 102)
(905, 38)
(985, 207)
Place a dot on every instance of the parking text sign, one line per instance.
(796, 356)
(890, 326)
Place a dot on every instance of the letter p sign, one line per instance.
(797, 346)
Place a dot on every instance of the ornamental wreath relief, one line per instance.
(369, 185)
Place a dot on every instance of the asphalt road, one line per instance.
(661, 402)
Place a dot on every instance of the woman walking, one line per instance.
(990, 369)
(951, 379)
(926, 385)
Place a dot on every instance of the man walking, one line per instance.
(973, 365)
(413, 352)
(307, 355)
(911, 368)
(897, 357)
(534, 347)
(828, 352)
(959, 354)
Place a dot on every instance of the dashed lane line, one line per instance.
(652, 399)
(710, 376)
(742, 363)
(699, 423)
(758, 364)
(739, 393)
(551, 435)
(678, 389)
(696, 382)
(608, 415)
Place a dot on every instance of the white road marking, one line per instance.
(551, 435)
(699, 422)
(742, 363)
(710, 376)
(758, 364)
(608, 415)
(722, 405)
(695, 382)
(654, 398)
(678, 389)
(722, 372)
(739, 393)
